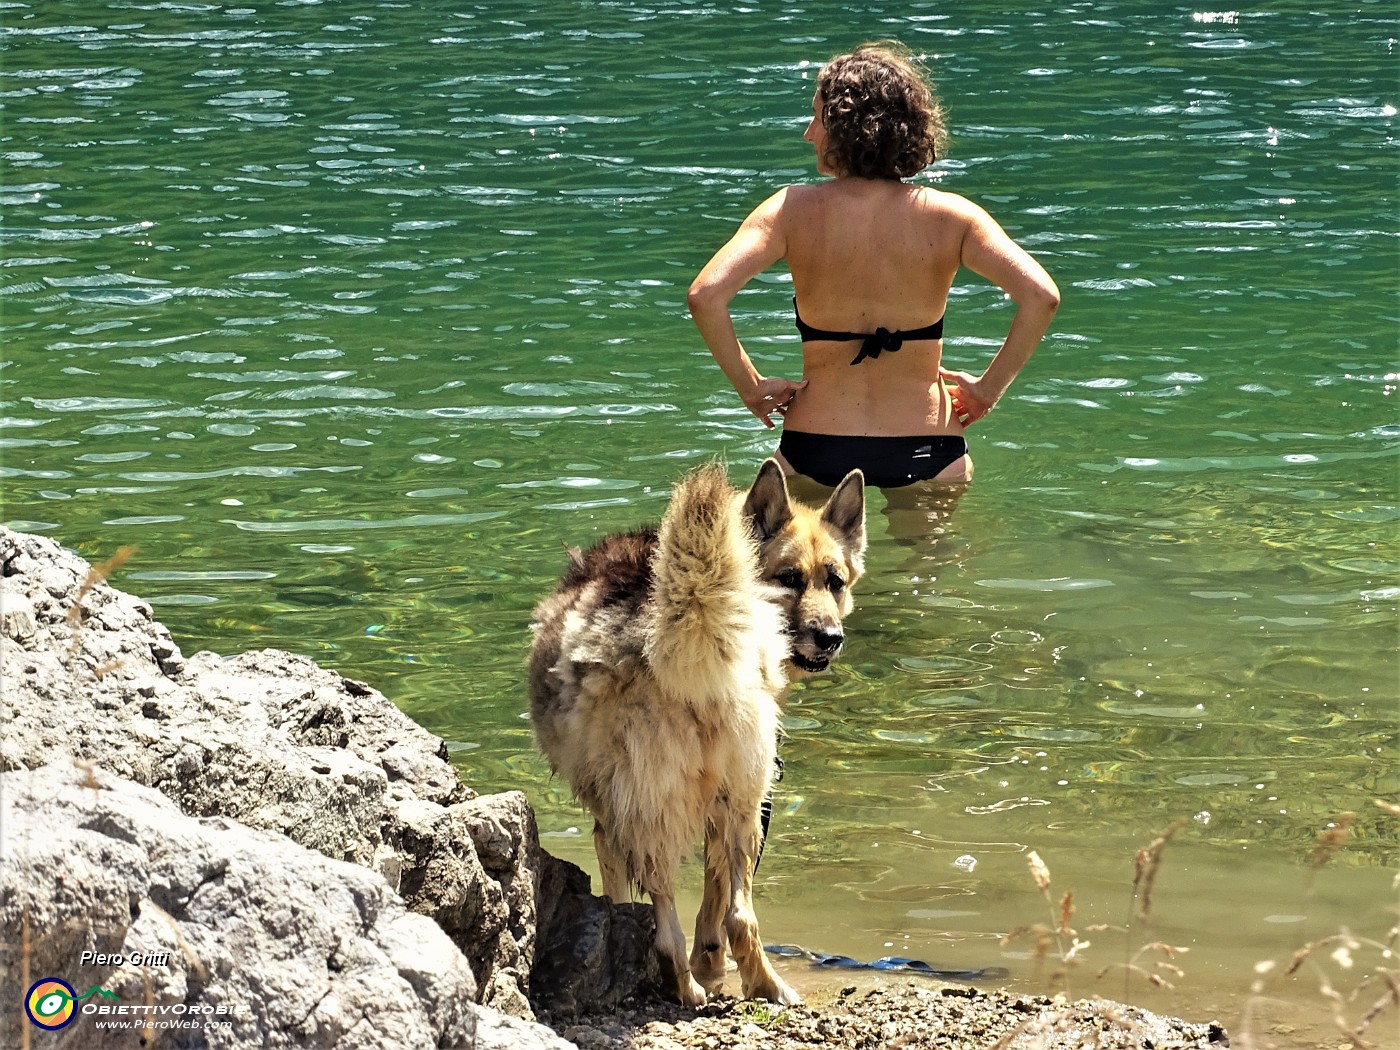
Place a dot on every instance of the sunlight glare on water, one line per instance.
(352, 316)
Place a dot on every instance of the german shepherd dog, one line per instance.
(656, 673)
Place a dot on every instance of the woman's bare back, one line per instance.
(867, 254)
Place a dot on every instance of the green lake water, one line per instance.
(352, 315)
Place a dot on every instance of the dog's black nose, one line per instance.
(828, 639)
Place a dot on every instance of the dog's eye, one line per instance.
(834, 582)
(791, 579)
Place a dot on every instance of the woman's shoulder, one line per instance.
(889, 192)
(829, 195)
(803, 194)
(799, 203)
(833, 199)
(944, 201)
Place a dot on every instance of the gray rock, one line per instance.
(592, 954)
(276, 945)
(275, 742)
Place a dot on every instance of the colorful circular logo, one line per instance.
(51, 1003)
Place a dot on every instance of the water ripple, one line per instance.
(328, 525)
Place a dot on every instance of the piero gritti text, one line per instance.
(130, 959)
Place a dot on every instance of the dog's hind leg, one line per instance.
(611, 867)
(670, 948)
(707, 956)
(759, 979)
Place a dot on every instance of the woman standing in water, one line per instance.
(872, 260)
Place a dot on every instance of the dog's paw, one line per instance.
(786, 996)
(713, 983)
(708, 969)
(775, 990)
(690, 993)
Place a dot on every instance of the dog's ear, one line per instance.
(845, 511)
(767, 504)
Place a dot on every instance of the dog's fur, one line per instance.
(656, 673)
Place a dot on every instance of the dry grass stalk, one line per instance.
(96, 574)
(1332, 839)
(1044, 942)
(1339, 1017)
(1340, 948)
(1342, 945)
(1158, 974)
(1039, 872)
(1390, 978)
(1146, 863)
(186, 949)
(1050, 938)
(1299, 957)
(1390, 998)
(1066, 913)
(89, 770)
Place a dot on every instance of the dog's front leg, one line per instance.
(670, 947)
(707, 956)
(759, 979)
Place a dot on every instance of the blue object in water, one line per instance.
(886, 962)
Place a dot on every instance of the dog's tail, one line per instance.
(714, 634)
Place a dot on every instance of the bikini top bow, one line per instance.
(872, 344)
(876, 343)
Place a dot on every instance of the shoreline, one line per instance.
(134, 778)
(890, 1013)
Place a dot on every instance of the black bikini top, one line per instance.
(872, 344)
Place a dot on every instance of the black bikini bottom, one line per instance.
(887, 462)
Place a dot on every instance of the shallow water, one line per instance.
(352, 315)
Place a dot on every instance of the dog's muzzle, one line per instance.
(825, 644)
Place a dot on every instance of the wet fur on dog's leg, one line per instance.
(670, 950)
(707, 957)
(757, 974)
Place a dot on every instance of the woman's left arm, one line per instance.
(755, 246)
(989, 251)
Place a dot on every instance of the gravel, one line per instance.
(890, 1015)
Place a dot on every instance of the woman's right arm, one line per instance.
(755, 246)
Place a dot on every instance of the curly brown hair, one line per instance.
(882, 119)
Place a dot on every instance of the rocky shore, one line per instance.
(255, 851)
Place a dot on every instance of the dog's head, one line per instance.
(812, 556)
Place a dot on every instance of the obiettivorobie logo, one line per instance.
(52, 1003)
